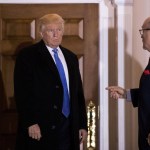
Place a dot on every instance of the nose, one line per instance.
(55, 33)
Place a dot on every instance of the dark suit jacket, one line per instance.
(39, 94)
(141, 99)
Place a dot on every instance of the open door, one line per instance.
(18, 29)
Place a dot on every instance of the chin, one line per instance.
(144, 47)
(148, 49)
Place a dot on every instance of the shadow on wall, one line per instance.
(18, 49)
(3, 95)
(21, 46)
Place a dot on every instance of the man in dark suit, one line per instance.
(140, 97)
(40, 92)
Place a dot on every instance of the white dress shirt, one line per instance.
(63, 61)
(129, 99)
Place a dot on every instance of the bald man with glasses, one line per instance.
(140, 97)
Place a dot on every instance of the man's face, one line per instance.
(146, 35)
(52, 34)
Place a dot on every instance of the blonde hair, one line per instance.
(48, 19)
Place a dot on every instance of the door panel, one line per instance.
(18, 29)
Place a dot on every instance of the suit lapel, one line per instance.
(47, 58)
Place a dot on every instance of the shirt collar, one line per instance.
(50, 48)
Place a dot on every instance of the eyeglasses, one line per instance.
(142, 31)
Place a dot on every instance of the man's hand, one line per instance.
(35, 132)
(82, 135)
(116, 92)
(148, 139)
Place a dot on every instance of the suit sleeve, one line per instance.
(82, 106)
(135, 96)
(23, 89)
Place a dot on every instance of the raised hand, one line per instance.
(116, 92)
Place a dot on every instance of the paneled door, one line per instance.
(18, 29)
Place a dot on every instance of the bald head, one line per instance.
(146, 34)
(146, 23)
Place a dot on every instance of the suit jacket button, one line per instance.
(55, 107)
(53, 127)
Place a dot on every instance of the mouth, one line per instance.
(56, 40)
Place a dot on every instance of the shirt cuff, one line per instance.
(129, 99)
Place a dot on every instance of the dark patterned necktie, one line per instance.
(66, 105)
